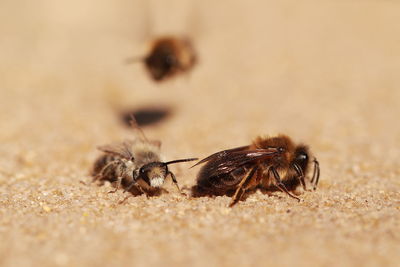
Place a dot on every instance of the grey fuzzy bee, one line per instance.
(134, 165)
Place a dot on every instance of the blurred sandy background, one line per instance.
(324, 72)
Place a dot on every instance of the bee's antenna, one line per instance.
(180, 160)
(131, 60)
(133, 123)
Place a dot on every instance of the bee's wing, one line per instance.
(220, 154)
(120, 149)
(228, 160)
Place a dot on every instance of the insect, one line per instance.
(268, 161)
(135, 165)
(168, 56)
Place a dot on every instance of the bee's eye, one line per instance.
(302, 157)
(281, 149)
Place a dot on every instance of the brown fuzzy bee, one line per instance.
(268, 161)
(135, 165)
(169, 56)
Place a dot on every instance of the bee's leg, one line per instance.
(280, 185)
(174, 181)
(300, 176)
(99, 165)
(130, 186)
(243, 186)
(142, 190)
(134, 183)
(122, 201)
(117, 186)
(316, 174)
(106, 171)
(303, 182)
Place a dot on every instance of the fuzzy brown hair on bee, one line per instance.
(168, 56)
(136, 165)
(268, 161)
(120, 160)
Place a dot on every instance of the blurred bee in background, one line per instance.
(168, 56)
(135, 165)
(267, 162)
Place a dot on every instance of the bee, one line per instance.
(135, 165)
(266, 162)
(168, 56)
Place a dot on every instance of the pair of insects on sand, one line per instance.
(267, 162)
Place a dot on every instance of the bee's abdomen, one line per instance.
(218, 184)
(101, 162)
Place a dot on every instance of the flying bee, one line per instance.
(268, 161)
(168, 56)
(135, 165)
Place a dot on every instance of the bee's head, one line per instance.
(301, 157)
(154, 173)
(301, 163)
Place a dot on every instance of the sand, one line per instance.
(324, 72)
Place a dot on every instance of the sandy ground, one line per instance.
(324, 72)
